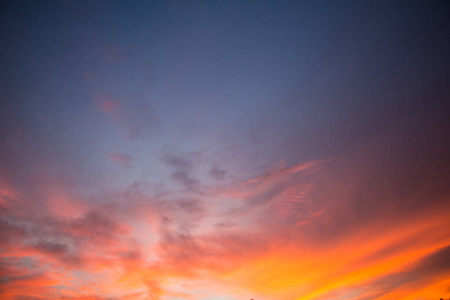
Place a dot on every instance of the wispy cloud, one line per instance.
(135, 116)
(122, 159)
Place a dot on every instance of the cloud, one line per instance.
(181, 162)
(265, 234)
(19, 281)
(114, 53)
(53, 248)
(142, 241)
(216, 173)
(183, 169)
(135, 115)
(433, 267)
(185, 179)
(122, 159)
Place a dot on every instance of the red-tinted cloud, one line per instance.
(318, 223)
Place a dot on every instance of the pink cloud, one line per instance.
(134, 115)
(89, 75)
(122, 159)
(114, 54)
(107, 102)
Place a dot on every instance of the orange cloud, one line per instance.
(289, 234)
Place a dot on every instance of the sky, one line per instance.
(224, 150)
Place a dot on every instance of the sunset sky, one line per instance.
(224, 150)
